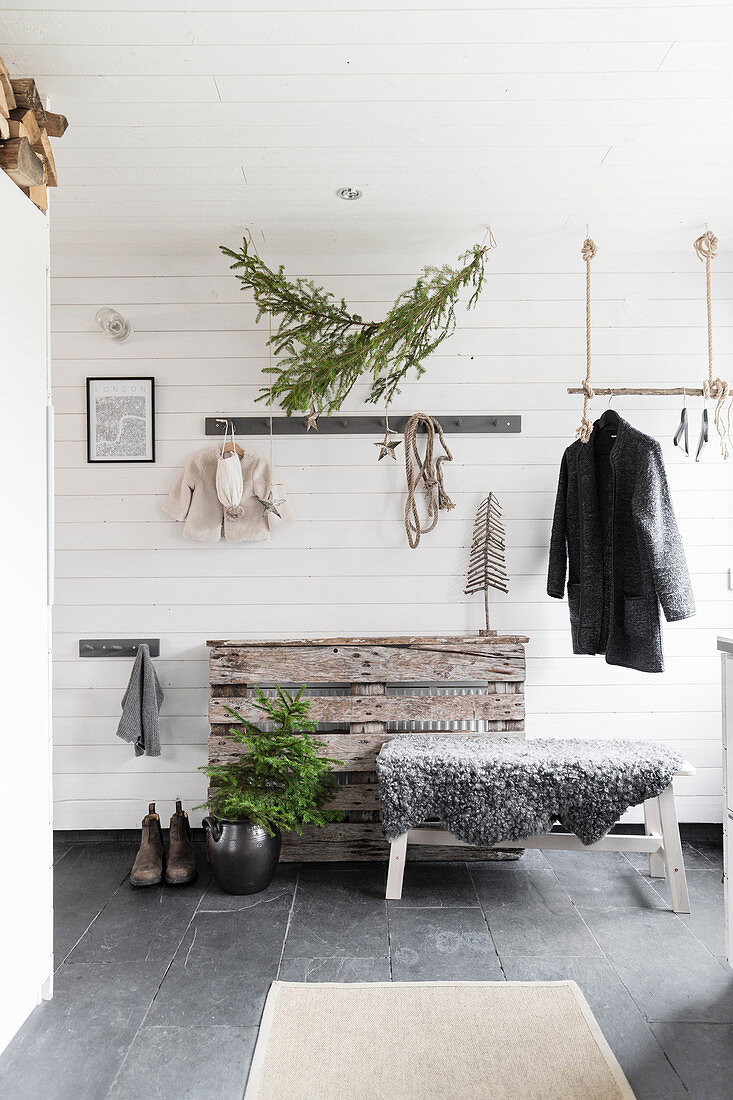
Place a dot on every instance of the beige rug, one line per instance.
(432, 1041)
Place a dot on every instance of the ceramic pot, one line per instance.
(243, 856)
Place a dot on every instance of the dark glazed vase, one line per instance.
(243, 856)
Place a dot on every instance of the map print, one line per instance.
(120, 420)
(121, 427)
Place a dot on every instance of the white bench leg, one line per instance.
(396, 869)
(673, 852)
(653, 824)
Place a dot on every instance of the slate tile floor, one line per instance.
(159, 992)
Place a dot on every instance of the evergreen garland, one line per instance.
(323, 349)
(281, 782)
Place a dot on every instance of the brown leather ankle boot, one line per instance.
(181, 866)
(147, 869)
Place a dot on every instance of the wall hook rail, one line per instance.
(117, 647)
(488, 424)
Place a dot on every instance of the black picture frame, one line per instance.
(109, 384)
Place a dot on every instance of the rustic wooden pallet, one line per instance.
(368, 668)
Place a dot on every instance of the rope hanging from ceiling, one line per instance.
(583, 433)
(706, 248)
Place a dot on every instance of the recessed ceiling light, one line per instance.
(349, 193)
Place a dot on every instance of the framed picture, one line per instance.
(120, 420)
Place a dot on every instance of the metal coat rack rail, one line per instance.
(496, 424)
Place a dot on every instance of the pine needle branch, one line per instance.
(323, 349)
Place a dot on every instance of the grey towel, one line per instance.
(140, 705)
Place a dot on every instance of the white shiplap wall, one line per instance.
(124, 568)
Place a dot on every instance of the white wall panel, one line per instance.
(125, 569)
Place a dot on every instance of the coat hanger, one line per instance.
(231, 445)
(682, 432)
(610, 419)
(703, 433)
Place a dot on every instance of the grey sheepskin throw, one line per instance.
(489, 789)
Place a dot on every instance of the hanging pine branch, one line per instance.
(487, 562)
(323, 349)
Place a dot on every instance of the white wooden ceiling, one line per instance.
(188, 123)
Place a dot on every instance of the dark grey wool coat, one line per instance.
(615, 535)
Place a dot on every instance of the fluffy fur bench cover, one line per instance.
(487, 789)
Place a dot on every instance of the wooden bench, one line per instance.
(661, 842)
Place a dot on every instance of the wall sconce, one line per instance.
(113, 323)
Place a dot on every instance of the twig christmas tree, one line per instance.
(487, 562)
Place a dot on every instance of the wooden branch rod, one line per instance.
(627, 391)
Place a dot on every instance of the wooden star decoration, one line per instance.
(312, 419)
(270, 506)
(387, 446)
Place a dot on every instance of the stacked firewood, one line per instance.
(25, 129)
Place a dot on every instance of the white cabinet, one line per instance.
(25, 776)
(725, 645)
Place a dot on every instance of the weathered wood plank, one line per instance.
(434, 641)
(363, 709)
(355, 796)
(358, 751)
(364, 841)
(364, 664)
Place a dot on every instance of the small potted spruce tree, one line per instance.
(280, 783)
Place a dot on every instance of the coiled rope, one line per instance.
(583, 433)
(427, 469)
(717, 389)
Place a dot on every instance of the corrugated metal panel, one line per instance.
(406, 688)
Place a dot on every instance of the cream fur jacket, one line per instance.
(193, 500)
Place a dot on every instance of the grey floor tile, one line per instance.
(339, 913)
(437, 884)
(61, 848)
(70, 1048)
(528, 859)
(707, 903)
(602, 879)
(668, 972)
(224, 966)
(711, 849)
(443, 944)
(529, 913)
(702, 1054)
(84, 881)
(629, 1036)
(694, 859)
(142, 925)
(335, 970)
(186, 1063)
(283, 884)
